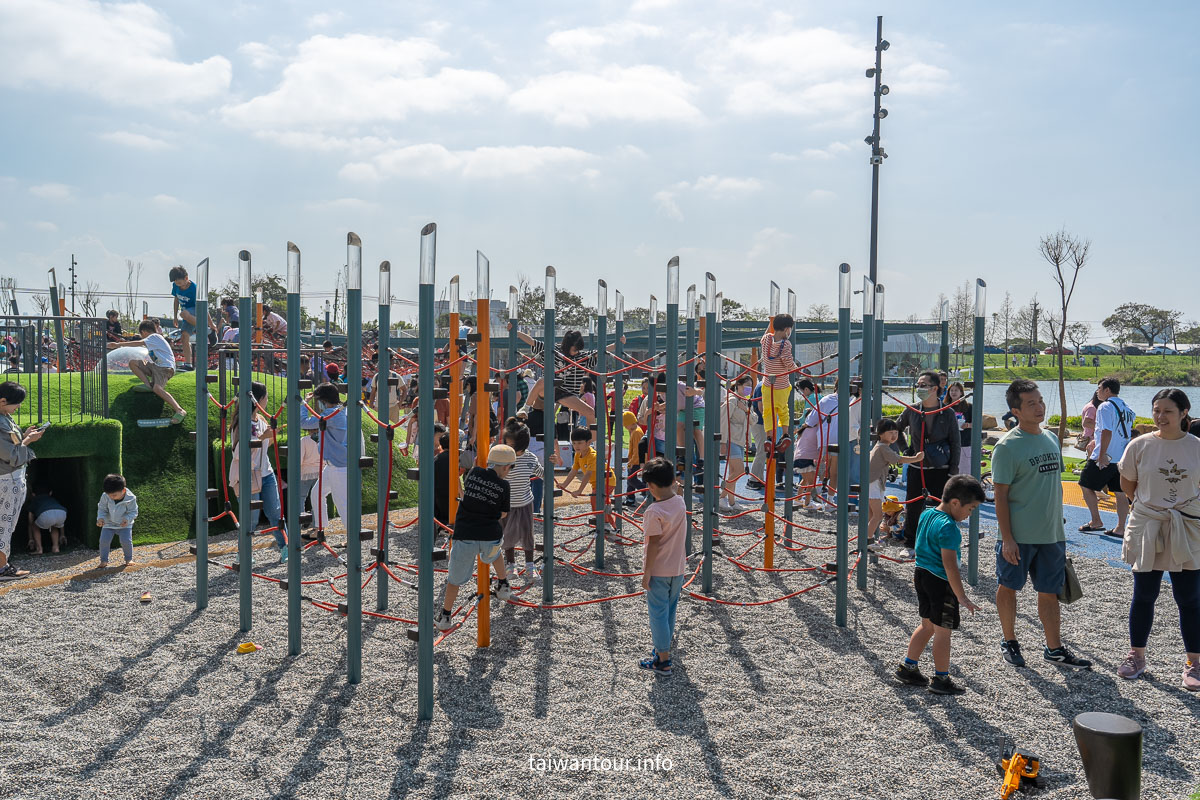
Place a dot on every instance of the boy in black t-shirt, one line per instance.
(477, 529)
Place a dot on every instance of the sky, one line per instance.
(604, 138)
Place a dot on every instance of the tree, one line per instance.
(42, 302)
(1067, 255)
(569, 310)
(133, 282)
(90, 301)
(820, 312)
(1004, 318)
(1155, 325)
(1078, 333)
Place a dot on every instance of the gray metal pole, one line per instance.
(880, 351)
(295, 434)
(713, 391)
(877, 153)
(672, 365)
(550, 438)
(601, 502)
(353, 510)
(425, 419)
(619, 407)
(244, 401)
(843, 483)
(689, 404)
(202, 444)
(58, 326)
(976, 426)
(512, 375)
(866, 414)
(384, 451)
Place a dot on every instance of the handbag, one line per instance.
(1071, 590)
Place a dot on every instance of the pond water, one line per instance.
(1078, 393)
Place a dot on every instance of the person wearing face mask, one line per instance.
(327, 402)
(932, 430)
(735, 433)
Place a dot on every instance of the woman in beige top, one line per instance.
(1160, 473)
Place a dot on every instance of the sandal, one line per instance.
(1090, 528)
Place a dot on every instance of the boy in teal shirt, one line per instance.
(939, 585)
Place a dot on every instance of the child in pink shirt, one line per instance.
(665, 560)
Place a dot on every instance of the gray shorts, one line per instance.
(464, 552)
(54, 518)
(518, 528)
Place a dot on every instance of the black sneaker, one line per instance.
(1012, 652)
(755, 484)
(941, 684)
(1063, 658)
(910, 675)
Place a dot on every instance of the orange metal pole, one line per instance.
(769, 482)
(483, 361)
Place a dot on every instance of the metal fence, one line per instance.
(61, 362)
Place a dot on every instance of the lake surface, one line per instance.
(1078, 393)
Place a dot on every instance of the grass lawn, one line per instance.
(158, 463)
(1132, 370)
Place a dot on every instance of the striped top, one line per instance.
(523, 470)
(777, 360)
(569, 376)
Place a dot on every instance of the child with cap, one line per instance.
(477, 529)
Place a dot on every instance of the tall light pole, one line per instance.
(877, 152)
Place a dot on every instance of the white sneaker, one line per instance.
(503, 590)
(910, 553)
(729, 508)
(443, 621)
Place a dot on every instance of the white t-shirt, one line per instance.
(1167, 471)
(160, 351)
(827, 429)
(1113, 415)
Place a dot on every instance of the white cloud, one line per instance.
(344, 82)
(343, 204)
(826, 153)
(121, 52)
(642, 93)
(166, 201)
(324, 19)
(820, 196)
(138, 141)
(427, 160)
(714, 186)
(58, 192)
(584, 42)
(260, 55)
(642, 6)
(787, 69)
(44, 227)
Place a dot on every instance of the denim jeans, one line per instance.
(270, 500)
(662, 599)
(124, 534)
(305, 489)
(538, 487)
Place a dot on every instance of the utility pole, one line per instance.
(1033, 333)
(74, 282)
(877, 152)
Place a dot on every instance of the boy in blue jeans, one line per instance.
(939, 585)
(115, 514)
(664, 560)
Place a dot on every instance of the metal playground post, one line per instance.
(843, 412)
(425, 523)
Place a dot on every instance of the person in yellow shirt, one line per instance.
(584, 467)
(636, 435)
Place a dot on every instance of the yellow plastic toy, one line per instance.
(248, 647)
(146, 597)
(1019, 767)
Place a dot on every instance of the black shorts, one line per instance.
(1099, 478)
(936, 599)
(560, 393)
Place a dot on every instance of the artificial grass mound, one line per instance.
(158, 463)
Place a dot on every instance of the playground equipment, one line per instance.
(704, 340)
(1019, 768)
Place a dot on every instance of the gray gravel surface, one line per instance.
(106, 697)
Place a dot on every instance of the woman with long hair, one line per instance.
(955, 394)
(1160, 474)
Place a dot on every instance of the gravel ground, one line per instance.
(105, 697)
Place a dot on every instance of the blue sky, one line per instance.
(604, 138)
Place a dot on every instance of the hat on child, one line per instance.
(629, 419)
(502, 455)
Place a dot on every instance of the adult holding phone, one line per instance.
(14, 456)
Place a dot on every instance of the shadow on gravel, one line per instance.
(113, 682)
(1091, 690)
(736, 650)
(677, 710)
(187, 686)
(409, 756)
(321, 719)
